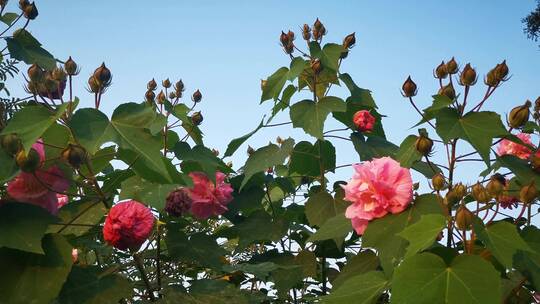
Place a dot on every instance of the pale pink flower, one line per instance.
(507, 147)
(377, 187)
(74, 255)
(209, 199)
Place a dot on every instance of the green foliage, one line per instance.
(310, 115)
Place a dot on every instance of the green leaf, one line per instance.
(274, 84)
(285, 101)
(8, 169)
(298, 64)
(358, 95)
(502, 239)
(260, 270)
(77, 218)
(527, 262)
(336, 227)
(200, 158)
(55, 136)
(197, 249)
(425, 278)
(361, 263)
(8, 18)
(24, 47)
(266, 157)
(237, 142)
(372, 147)
(407, 154)
(322, 206)
(91, 285)
(259, 226)
(382, 234)
(520, 168)
(310, 116)
(439, 102)
(23, 225)
(422, 234)
(35, 278)
(310, 160)
(478, 128)
(146, 192)
(361, 289)
(89, 127)
(31, 122)
(329, 55)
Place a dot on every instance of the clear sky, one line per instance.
(224, 48)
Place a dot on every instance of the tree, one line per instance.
(532, 24)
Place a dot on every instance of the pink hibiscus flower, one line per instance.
(511, 148)
(209, 199)
(128, 225)
(377, 187)
(364, 121)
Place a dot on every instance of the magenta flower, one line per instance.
(209, 199)
(511, 148)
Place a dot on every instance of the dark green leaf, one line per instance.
(422, 234)
(311, 116)
(24, 47)
(237, 142)
(361, 263)
(361, 289)
(274, 84)
(90, 128)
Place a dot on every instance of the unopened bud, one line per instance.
(161, 97)
(409, 88)
(448, 91)
(452, 66)
(71, 67)
(172, 95)
(467, 76)
(215, 152)
(30, 11)
(103, 75)
(461, 190)
(229, 164)
(197, 118)
(93, 85)
(28, 163)
(150, 96)
(452, 197)
(464, 218)
(197, 96)
(495, 187)
(528, 193)
(491, 79)
(438, 182)
(349, 41)
(11, 143)
(263, 84)
(23, 4)
(424, 144)
(250, 150)
(283, 38)
(519, 115)
(75, 155)
(35, 73)
(59, 74)
(3, 3)
(480, 193)
(166, 83)
(152, 85)
(501, 71)
(440, 71)
(318, 30)
(316, 65)
(306, 32)
(179, 86)
(535, 162)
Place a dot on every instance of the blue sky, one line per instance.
(224, 48)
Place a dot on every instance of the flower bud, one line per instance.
(30, 11)
(11, 143)
(438, 182)
(452, 197)
(464, 218)
(172, 95)
(71, 67)
(349, 41)
(93, 85)
(461, 190)
(35, 73)
(528, 193)
(467, 76)
(452, 66)
(197, 96)
(161, 97)
(179, 86)
(197, 118)
(284, 39)
(495, 187)
(364, 121)
(166, 83)
(229, 164)
(250, 150)
(3, 3)
(424, 144)
(75, 155)
(519, 115)
(103, 75)
(23, 4)
(448, 91)
(480, 193)
(152, 85)
(440, 71)
(306, 32)
(316, 65)
(501, 71)
(409, 88)
(59, 74)
(28, 163)
(318, 30)
(491, 79)
(279, 140)
(178, 202)
(535, 161)
(150, 96)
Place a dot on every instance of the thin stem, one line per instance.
(420, 112)
(140, 267)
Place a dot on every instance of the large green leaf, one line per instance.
(361, 263)
(90, 285)
(407, 154)
(237, 142)
(309, 160)
(149, 193)
(200, 158)
(322, 206)
(358, 95)
(439, 102)
(24, 47)
(372, 147)
(527, 262)
(336, 227)
(31, 122)
(361, 289)
(382, 234)
(298, 64)
(502, 239)
(329, 54)
(423, 233)
(258, 226)
(77, 218)
(426, 278)
(478, 128)
(266, 157)
(198, 249)
(9, 168)
(310, 115)
(90, 128)
(29, 278)
(520, 168)
(23, 225)
(274, 84)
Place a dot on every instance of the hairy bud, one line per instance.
(528, 193)
(316, 65)
(452, 66)
(349, 41)
(93, 85)
(519, 115)
(306, 32)
(71, 67)
(150, 96)
(495, 187)
(196, 118)
(440, 71)
(30, 11)
(480, 193)
(448, 91)
(464, 218)
(409, 88)
(318, 30)
(23, 4)
(501, 71)
(179, 87)
(438, 182)
(35, 73)
(11, 143)
(166, 83)
(467, 76)
(161, 97)
(75, 155)
(28, 163)
(103, 75)
(172, 95)
(197, 96)
(461, 190)
(151, 85)
(423, 144)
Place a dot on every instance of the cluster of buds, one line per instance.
(100, 80)
(49, 84)
(318, 30)
(29, 10)
(287, 41)
(497, 75)
(150, 96)
(519, 115)
(409, 88)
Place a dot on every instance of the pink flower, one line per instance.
(377, 187)
(209, 199)
(364, 121)
(26, 188)
(74, 255)
(511, 148)
(128, 225)
(62, 200)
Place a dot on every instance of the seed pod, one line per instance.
(519, 115)
(464, 218)
(480, 193)
(75, 155)
(423, 144)
(93, 85)
(452, 66)
(461, 190)
(318, 30)
(215, 152)
(448, 91)
(3, 3)
(349, 41)
(150, 96)
(172, 95)
(316, 65)
(161, 97)
(11, 143)
(467, 76)
(28, 163)
(197, 96)
(440, 71)
(491, 79)
(35, 73)
(166, 83)
(494, 187)
(306, 32)
(279, 140)
(528, 193)
(179, 87)
(196, 118)
(30, 11)
(438, 182)
(284, 39)
(71, 67)
(23, 4)
(151, 85)
(535, 161)
(452, 198)
(409, 88)
(103, 75)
